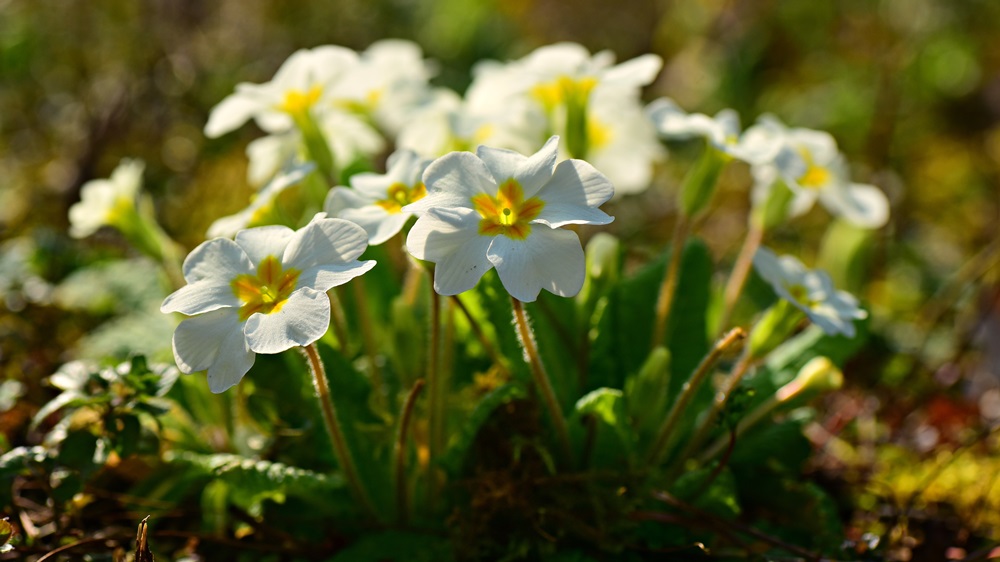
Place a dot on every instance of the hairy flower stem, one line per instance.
(488, 346)
(527, 339)
(666, 299)
(368, 339)
(741, 269)
(399, 453)
(664, 434)
(340, 448)
(706, 424)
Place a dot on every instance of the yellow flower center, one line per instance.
(120, 211)
(508, 213)
(399, 195)
(297, 102)
(598, 134)
(801, 295)
(816, 176)
(563, 90)
(267, 291)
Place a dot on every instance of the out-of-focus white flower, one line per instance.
(589, 101)
(262, 205)
(812, 167)
(621, 141)
(497, 208)
(810, 291)
(722, 132)
(389, 83)
(108, 202)
(262, 293)
(304, 81)
(385, 84)
(376, 201)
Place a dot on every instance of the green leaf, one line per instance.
(709, 489)
(250, 482)
(599, 426)
(78, 450)
(622, 337)
(460, 442)
(69, 398)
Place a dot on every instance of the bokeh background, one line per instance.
(909, 88)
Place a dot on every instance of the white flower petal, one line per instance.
(201, 296)
(233, 111)
(219, 259)
(301, 320)
(573, 195)
(327, 276)
(324, 242)
(370, 187)
(264, 241)
(531, 172)
(440, 231)
(452, 181)
(341, 199)
(634, 73)
(462, 269)
(213, 341)
(548, 259)
(861, 204)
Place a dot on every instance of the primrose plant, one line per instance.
(616, 403)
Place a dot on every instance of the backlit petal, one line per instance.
(550, 259)
(301, 320)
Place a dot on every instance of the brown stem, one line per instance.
(741, 269)
(665, 301)
(669, 424)
(705, 426)
(339, 442)
(527, 339)
(399, 452)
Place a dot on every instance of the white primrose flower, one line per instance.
(376, 201)
(109, 201)
(590, 102)
(621, 141)
(562, 73)
(497, 208)
(810, 291)
(722, 132)
(389, 83)
(812, 167)
(265, 292)
(262, 205)
(303, 82)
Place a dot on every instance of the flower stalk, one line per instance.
(666, 430)
(399, 453)
(337, 438)
(541, 378)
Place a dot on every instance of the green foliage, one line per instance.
(247, 483)
(463, 439)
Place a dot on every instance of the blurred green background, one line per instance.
(910, 89)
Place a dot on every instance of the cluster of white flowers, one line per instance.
(470, 211)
